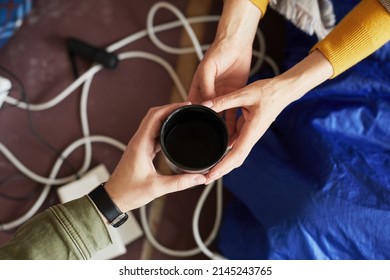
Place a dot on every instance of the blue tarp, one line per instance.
(12, 13)
(317, 184)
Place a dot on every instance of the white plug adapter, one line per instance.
(5, 86)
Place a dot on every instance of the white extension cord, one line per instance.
(87, 139)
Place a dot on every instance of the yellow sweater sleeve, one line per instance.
(261, 4)
(361, 32)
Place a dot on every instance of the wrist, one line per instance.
(304, 76)
(107, 206)
(239, 21)
(116, 195)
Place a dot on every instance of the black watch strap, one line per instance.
(107, 207)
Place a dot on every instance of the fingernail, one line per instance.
(207, 103)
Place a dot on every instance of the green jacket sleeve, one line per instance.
(73, 230)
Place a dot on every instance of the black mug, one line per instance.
(193, 139)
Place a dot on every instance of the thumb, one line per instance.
(175, 183)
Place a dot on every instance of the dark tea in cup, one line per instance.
(193, 139)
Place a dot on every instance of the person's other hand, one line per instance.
(135, 181)
(226, 64)
(224, 69)
(261, 102)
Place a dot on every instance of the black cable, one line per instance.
(30, 121)
(73, 63)
(77, 47)
(94, 54)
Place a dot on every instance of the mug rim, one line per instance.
(201, 108)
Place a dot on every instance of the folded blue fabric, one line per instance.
(12, 13)
(317, 184)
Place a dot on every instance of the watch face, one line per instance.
(120, 220)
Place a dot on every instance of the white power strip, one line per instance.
(5, 86)
(121, 236)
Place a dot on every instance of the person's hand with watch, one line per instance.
(135, 181)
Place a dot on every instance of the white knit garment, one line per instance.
(312, 16)
(386, 4)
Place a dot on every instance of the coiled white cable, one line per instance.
(185, 23)
(203, 246)
(60, 97)
(93, 70)
(189, 252)
(30, 174)
(72, 147)
(85, 140)
(120, 44)
(84, 118)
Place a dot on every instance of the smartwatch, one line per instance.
(107, 207)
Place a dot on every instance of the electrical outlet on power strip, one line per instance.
(5, 86)
(122, 236)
